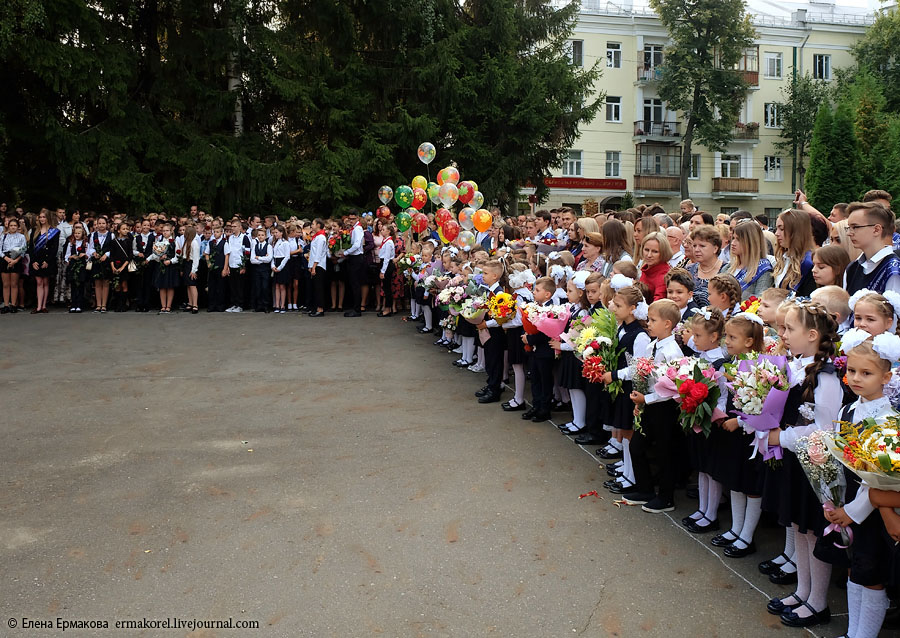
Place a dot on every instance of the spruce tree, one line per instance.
(819, 176)
(844, 157)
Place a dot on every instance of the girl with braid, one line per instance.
(813, 403)
(725, 294)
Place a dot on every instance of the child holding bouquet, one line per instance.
(598, 403)
(168, 274)
(495, 346)
(520, 278)
(731, 463)
(630, 309)
(707, 327)
(868, 370)
(813, 403)
(660, 429)
(570, 376)
(541, 358)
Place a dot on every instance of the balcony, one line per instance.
(735, 187)
(648, 73)
(751, 78)
(655, 131)
(746, 132)
(657, 183)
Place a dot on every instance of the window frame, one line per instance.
(731, 162)
(618, 106)
(580, 61)
(769, 163)
(611, 57)
(573, 162)
(617, 163)
(775, 56)
(825, 60)
(775, 121)
(695, 175)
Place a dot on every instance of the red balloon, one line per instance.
(466, 192)
(442, 217)
(419, 222)
(383, 212)
(420, 198)
(450, 230)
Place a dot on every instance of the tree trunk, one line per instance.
(687, 142)
(512, 206)
(801, 175)
(234, 77)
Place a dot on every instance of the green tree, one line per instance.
(845, 157)
(818, 177)
(699, 75)
(801, 100)
(878, 52)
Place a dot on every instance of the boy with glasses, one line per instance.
(870, 227)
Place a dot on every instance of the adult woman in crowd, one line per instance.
(578, 230)
(591, 257)
(43, 254)
(840, 237)
(643, 226)
(793, 252)
(616, 245)
(707, 244)
(749, 263)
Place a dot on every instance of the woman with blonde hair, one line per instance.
(749, 263)
(643, 226)
(793, 252)
(838, 235)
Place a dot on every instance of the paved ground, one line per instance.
(325, 478)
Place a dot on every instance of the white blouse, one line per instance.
(386, 253)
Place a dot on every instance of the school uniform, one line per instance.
(235, 254)
(98, 246)
(215, 249)
(260, 275)
(281, 256)
(318, 257)
(660, 431)
(632, 339)
(598, 410)
(700, 446)
(386, 256)
(880, 273)
(44, 248)
(542, 358)
(786, 490)
(167, 276)
(142, 244)
(12, 245)
(356, 269)
(191, 263)
(494, 348)
(569, 371)
(731, 464)
(806, 283)
(515, 349)
(75, 271)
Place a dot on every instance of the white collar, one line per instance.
(869, 264)
(797, 367)
(713, 355)
(862, 409)
(669, 339)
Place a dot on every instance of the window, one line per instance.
(772, 65)
(772, 168)
(614, 55)
(613, 163)
(653, 55)
(728, 210)
(821, 67)
(695, 166)
(730, 166)
(576, 55)
(572, 165)
(613, 108)
(772, 214)
(771, 117)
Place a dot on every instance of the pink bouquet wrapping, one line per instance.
(760, 390)
(551, 320)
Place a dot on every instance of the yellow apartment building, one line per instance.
(635, 142)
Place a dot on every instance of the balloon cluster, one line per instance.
(446, 192)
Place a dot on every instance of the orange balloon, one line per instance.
(483, 220)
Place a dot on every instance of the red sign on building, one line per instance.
(585, 183)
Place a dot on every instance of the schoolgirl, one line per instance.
(190, 263)
(731, 465)
(168, 273)
(570, 376)
(216, 261)
(630, 309)
(874, 559)
(318, 254)
(297, 287)
(875, 313)
(598, 411)
(43, 252)
(724, 293)
(813, 403)
(419, 292)
(76, 258)
(281, 271)
(520, 279)
(120, 257)
(141, 248)
(260, 272)
(13, 246)
(466, 333)
(707, 327)
(98, 252)
(386, 255)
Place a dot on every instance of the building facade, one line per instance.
(635, 143)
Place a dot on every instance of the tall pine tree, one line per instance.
(818, 177)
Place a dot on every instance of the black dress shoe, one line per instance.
(791, 619)
(721, 540)
(776, 607)
(540, 417)
(609, 483)
(770, 566)
(480, 393)
(513, 408)
(613, 472)
(603, 454)
(588, 439)
(697, 528)
(491, 397)
(782, 577)
(317, 314)
(740, 552)
(527, 414)
(621, 488)
(353, 313)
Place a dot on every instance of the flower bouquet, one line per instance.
(502, 307)
(643, 370)
(870, 450)
(408, 264)
(453, 297)
(334, 244)
(600, 343)
(751, 305)
(474, 309)
(760, 389)
(826, 476)
(699, 395)
(593, 368)
(449, 322)
(346, 239)
(551, 320)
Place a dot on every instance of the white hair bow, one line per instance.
(853, 338)
(620, 281)
(750, 316)
(640, 311)
(580, 277)
(521, 279)
(553, 255)
(557, 272)
(887, 346)
(706, 313)
(893, 299)
(856, 296)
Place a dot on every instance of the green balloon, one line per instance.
(403, 196)
(404, 221)
(432, 191)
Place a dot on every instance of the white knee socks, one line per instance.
(751, 520)
(801, 543)
(579, 405)
(427, 312)
(872, 608)
(627, 469)
(819, 578)
(714, 497)
(413, 308)
(854, 601)
(738, 508)
(519, 374)
(468, 345)
(702, 494)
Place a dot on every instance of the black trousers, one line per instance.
(660, 436)
(541, 382)
(319, 283)
(145, 288)
(77, 292)
(356, 276)
(236, 287)
(493, 358)
(387, 286)
(260, 285)
(216, 284)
